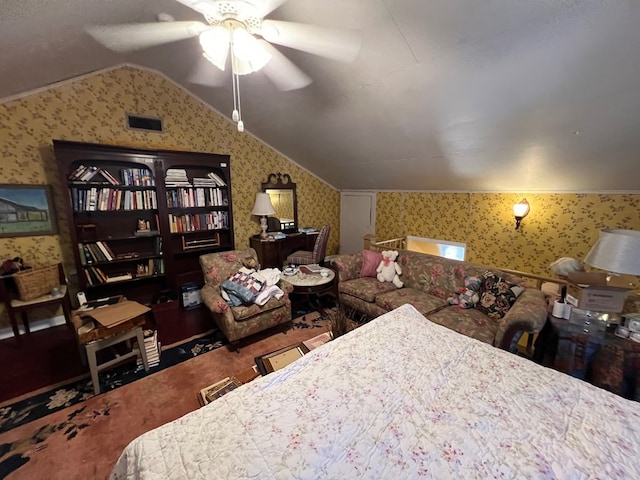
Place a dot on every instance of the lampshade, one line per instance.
(263, 205)
(616, 251)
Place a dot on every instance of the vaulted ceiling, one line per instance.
(459, 95)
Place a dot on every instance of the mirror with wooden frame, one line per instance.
(282, 192)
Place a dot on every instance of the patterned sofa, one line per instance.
(240, 322)
(428, 282)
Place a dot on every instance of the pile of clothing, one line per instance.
(249, 285)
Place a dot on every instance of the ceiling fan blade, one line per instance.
(265, 7)
(284, 74)
(333, 43)
(136, 36)
(205, 7)
(205, 73)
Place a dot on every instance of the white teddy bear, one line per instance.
(388, 270)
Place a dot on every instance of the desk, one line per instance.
(600, 358)
(273, 253)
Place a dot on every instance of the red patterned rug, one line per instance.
(85, 440)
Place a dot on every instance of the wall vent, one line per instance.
(150, 124)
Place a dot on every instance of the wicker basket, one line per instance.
(36, 282)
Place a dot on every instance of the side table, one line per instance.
(598, 357)
(100, 337)
(312, 284)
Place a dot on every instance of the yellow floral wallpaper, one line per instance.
(93, 108)
(558, 225)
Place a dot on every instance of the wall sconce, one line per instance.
(521, 210)
(262, 208)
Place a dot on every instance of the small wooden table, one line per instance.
(99, 337)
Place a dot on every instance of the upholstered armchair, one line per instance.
(245, 320)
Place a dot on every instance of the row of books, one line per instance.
(109, 199)
(152, 349)
(138, 177)
(154, 266)
(96, 276)
(95, 252)
(198, 222)
(177, 177)
(197, 197)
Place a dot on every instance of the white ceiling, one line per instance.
(463, 95)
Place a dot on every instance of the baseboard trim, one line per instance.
(34, 326)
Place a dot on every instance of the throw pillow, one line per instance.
(498, 295)
(370, 262)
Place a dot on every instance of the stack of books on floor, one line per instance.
(152, 347)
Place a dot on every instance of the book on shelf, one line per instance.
(95, 276)
(117, 277)
(84, 173)
(217, 390)
(105, 250)
(216, 178)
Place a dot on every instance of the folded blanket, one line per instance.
(241, 288)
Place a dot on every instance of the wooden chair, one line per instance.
(14, 305)
(303, 257)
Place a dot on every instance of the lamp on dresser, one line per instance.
(262, 208)
(616, 251)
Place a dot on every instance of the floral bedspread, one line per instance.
(399, 397)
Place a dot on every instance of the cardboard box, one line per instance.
(116, 314)
(592, 291)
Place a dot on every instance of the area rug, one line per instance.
(40, 405)
(85, 440)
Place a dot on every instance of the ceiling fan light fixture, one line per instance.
(215, 45)
(248, 52)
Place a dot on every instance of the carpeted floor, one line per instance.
(84, 440)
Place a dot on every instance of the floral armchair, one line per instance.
(245, 320)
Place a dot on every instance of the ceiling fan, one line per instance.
(237, 33)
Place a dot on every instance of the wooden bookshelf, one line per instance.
(136, 230)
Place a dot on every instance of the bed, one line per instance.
(400, 397)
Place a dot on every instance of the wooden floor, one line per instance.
(51, 356)
(42, 358)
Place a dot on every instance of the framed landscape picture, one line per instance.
(26, 210)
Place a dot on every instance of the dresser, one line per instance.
(273, 253)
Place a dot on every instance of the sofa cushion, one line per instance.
(246, 312)
(370, 262)
(469, 322)
(365, 288)
(497, 295)
(423, 302)
(438, 276)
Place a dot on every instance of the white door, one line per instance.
(357, 218)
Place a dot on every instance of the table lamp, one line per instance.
(616, 251)
(262, 208)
